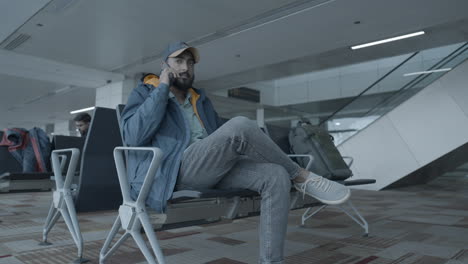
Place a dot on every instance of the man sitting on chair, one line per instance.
(201, 153)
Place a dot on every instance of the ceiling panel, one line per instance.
(440, 35)
(319, 30)
(36, 68)
(16, 90)
(319, 37)
(107, 34)
(15, 13)
(48, 110)
(129, 35)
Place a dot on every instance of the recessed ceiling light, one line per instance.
(82, 110)
(427, 72)
(337, 123)
(387, 40)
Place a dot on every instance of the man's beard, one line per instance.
(183, 84)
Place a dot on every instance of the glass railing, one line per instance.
(389, 91)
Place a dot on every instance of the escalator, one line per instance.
(412, 134)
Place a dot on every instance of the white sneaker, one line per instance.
(324, 190)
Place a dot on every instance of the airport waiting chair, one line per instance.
(67, 142)
(12, 177)
(210, 204)
(68, 198)
(348, 208)
(97, 171)
(186, 207)
(280, 136)
(7, 162)
(132, 213)
(63, 200)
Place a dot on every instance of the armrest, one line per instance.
(303, 156)
(122, 173)
(350, 160)
(58, 163)
(63, 161)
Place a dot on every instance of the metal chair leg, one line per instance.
(144, 218)
(104, 254)
(52, 217)
(132, 213)
(143, 247)
(356, 216)
(62, 203)
(353, 214)
(308, 215)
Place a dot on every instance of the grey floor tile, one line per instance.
(432, 219)
(400, 249)
(10, 260)
(425, 224)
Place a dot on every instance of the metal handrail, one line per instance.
(421, 78)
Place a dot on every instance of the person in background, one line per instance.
(82, 123)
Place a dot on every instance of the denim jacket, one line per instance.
(152, 119)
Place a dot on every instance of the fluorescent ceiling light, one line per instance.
(427, 72)
(82, 110)
(387, 40)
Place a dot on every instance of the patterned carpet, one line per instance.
(426, 224)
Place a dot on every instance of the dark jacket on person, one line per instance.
(152, 119)
(30, 148)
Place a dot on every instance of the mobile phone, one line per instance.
(171, 75)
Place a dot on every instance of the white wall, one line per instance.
(114, 93)
(425, 127)
(65, 128)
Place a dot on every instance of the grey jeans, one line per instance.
(240, 155)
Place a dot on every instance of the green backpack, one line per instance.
(313, 140)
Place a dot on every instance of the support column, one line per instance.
(114, 94)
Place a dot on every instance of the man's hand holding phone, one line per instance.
(168, 74)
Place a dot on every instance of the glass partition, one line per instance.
(404, 81)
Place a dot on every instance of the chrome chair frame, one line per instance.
(132, 213)
(62, 202)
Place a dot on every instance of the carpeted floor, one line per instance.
(426, 224)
